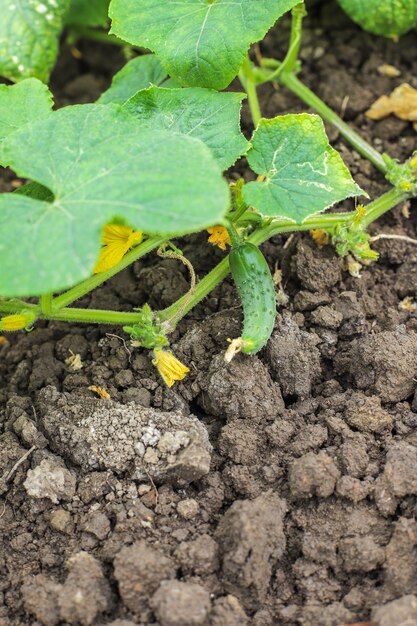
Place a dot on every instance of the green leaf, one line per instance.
(212, 117)
(100, 166)
(200, 43)
(20, 104)
(139, 73)
(303, 173)
(88, 13)
(29, 32)
(391, 18)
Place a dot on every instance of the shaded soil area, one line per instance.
(277, 490)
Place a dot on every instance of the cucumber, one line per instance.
(256, 290)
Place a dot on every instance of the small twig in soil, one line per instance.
(3, 511)
(398, 237)
(124, 343)
(18, 463)
(153, 486)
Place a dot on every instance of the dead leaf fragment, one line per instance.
(408, 304)
(100, 391)
(74, 362)
(3, 341)
(389, 70)
(402, 103)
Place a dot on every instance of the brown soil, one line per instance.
(279, 490)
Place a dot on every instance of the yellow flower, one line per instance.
(320, 237)
(170, 368)
(219, 237)
(116, 240)
(19, 321)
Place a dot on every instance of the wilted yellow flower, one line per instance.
(116, 240)
(18, 321)
(320, 237)
(219, 237)
(100, 391)
(170, 368)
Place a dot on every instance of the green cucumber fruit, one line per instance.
(256, 289)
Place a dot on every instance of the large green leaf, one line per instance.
(303, 173)
(20, 104)
(29, 32)
(88, 12)
(391, 18)
(100, 165)
(202, 113)
(139, 73)
(199, 42)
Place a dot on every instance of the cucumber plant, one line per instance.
(147, 163)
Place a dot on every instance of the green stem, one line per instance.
(233, 235)
(45, 302)
(288, 64)
(15, 306)
(385, 203)
(248, 81)
(325, 222)
(94, 281)
(304, 93)
(94, 316)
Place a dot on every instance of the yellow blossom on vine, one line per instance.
(170, 368)
(18, 321)
(219, 237)
(116, 240)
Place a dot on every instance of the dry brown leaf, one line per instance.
(402, 103)
(3, 341)
(100, 391)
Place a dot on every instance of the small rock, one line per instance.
(313, 474)
(366, 414)
(122, 438)
(188, 509)
(385, 363)
(96, 523)
(199, 556)
(353, 456)
(27, 431)
(61, 521)
(326, 317)
(228, 611)
(85, 593)
(181, 604)
(240, 389)
(40, 598)
(401, 612)
(94, 486)
(400, 469)
(317, 269)
(252, 540)
(50, 480)
(308, 301)
(139, 570)
(360, 554)
(293, 358)
(353, 489)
